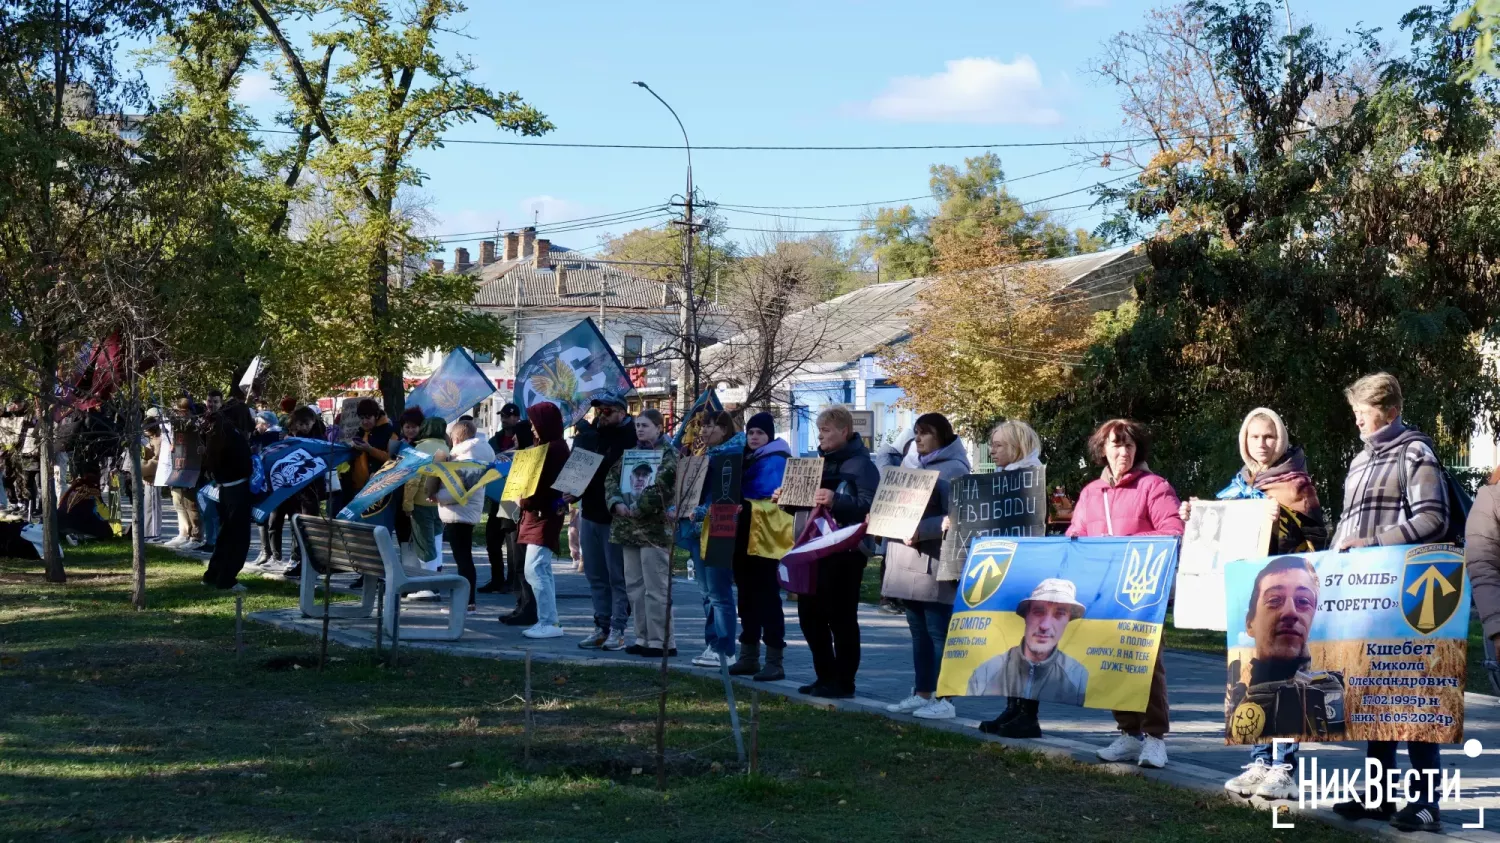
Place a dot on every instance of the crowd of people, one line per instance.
(1395, 492)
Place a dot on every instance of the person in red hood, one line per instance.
(542, 520)
(1129, 500)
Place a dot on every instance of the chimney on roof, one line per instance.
(435, 266)
(528, 241)
(512, 246)
(561, 271)
(666, 294)
(543, 253)
(461, 259)
(486, 252)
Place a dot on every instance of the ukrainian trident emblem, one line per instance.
(1142, 573)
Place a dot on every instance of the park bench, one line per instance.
(346, 547)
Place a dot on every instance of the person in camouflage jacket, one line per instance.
(641, 528)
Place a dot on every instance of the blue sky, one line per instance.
(820, 72)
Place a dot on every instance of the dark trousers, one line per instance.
(1424, 756)
(500, 543)
(928, 623)
(830, 619)
(233, 544)
(761, 617)
(460, 540)
(1156, 719)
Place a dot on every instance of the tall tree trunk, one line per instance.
(51, 551)
(392, 372)
(137, 490)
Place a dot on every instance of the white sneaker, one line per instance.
(422, 595)
(1153, 753)
(544, 631)
(936, 710)
(1245, 783)
(1277, 784)
(708, 658)
(176, 541)
(908, 705)
(615, 642)
(192, 544)
(1125, 748)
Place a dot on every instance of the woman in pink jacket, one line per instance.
(1128, 500)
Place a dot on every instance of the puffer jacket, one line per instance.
(1138, 503)
(451, 512)
(764, 469)
(911, 571)
(649, 526)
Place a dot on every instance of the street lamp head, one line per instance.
(641, 84)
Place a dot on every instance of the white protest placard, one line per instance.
(800, 481)
(1218, 532)
(900, 501)
(578, 472)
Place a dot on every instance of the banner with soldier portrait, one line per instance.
(1075, 621)
(1371, 644)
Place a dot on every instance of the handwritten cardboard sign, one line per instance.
(578, 472)
(800, 481)
(900, 500)
(525, 473)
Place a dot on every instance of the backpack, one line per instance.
(1459, 501)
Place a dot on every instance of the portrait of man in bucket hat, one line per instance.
(1035, 668)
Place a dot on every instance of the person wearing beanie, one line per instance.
(762, 620)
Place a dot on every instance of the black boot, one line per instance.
(1024, 724)
(1012, 708)
(749, 661)
(773, 669)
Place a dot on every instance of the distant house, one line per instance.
(861, 323)
(539, 290)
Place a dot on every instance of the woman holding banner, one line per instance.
(761, 617)
(643, 531)
(1014, 445)
(426, 525)
(1129, 500)
(542, 519)
(459, 519)
(912, 566)
(716, 437)
(1395, 494)
(1275, 469)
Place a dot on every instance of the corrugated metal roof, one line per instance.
(857, 323)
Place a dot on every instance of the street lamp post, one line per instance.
(687, 310)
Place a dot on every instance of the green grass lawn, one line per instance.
(125, 725)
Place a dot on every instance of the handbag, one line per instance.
(820, 538)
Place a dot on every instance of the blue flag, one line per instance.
(289, 466)
(494, 490)
(707, 406)
(454, 389)
(374, 504)
(570, 371)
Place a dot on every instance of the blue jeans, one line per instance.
(604, 567)
(717, 583)
(1281, 753)
(209, 510)
(929, 632)
(539, 577)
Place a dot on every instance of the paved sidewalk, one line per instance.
(1198, 756)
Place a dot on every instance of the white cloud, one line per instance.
(972, 90)
(255, 87)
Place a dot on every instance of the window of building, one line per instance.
(634, 348)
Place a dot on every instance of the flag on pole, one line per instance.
(706, 407)
(570, 371)
(290, 465)
(454, 388)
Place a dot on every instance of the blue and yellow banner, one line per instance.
(704, 408)
(462, 478)
(570, 371)
(1370, 644)
(496, 490)
(373, 503)
(290, 466)
(1075, 621)
(453, 389)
